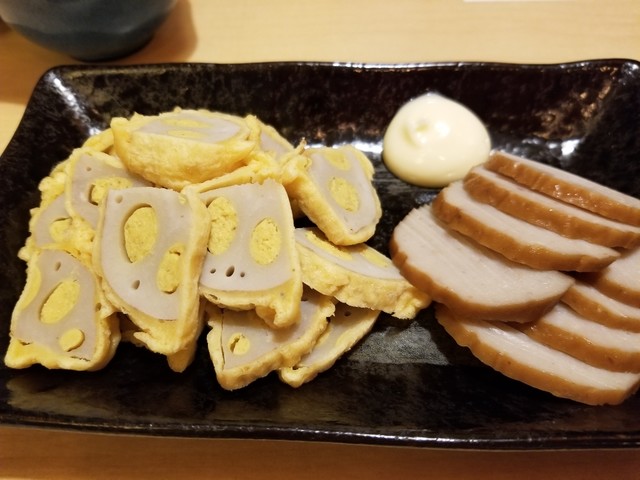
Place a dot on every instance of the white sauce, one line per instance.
(433, 141)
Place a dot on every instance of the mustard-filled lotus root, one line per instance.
(346, 328)
(90, 175)
(62, 319)
(332, 186)
(251, 260)
(243, 348)
(181, 147)
(149, 251)
(357, 275)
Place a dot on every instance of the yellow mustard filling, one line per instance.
(266, 242)
(71, 339)
(337, 159)
(60, 302)
(344, 193)
(59, 229)
(102, 185)
(224, 223)
(140, 233)
(54, 185)
(168, 275)
(239, 344)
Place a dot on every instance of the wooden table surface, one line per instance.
(399, 31)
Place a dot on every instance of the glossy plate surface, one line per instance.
(403, 385)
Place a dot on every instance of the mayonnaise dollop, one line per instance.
(433, 141)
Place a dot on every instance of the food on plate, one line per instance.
(270, 140)
(567, 187)
(332, 187)
(518, 356)
(174, 149)
(433, 140)
(50, 225)
(594, 305)
(149, 249)
(356, 275)
(594, 343)
(90, 175)
(178, 361)
(469, 278)
(185, 221)
(251, 261)
(260, 167)
(346, 328)
(620, 279)
(583, 342)
(516, 239)
(182, 220)
(547, 212)
(243, 348)
(62, 318)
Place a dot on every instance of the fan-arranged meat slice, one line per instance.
(518, 356)
(599, 345)
(620, 280)
(547, 212)
(516, 239)
(567, 187)
(591, 303)
(469, 278)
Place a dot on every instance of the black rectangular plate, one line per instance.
(403, 385)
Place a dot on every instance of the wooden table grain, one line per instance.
(371, 31)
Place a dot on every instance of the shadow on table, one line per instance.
(175, 41)
(24, 62)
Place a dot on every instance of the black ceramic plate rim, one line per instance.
(408, 66)
(343, 435)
